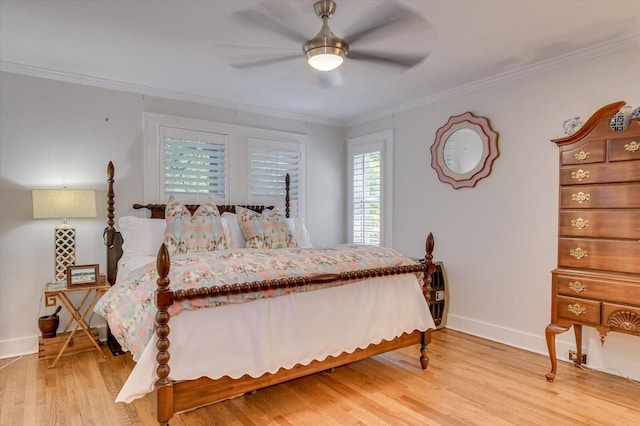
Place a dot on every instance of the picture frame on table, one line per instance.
(82, 275)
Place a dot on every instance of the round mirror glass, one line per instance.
(463, 151)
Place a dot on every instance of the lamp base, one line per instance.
(65, 254)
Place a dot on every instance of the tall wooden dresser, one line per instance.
(597, 281)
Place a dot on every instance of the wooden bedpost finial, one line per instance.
(429, 247)
(163, 264)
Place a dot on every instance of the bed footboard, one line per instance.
(172, 397)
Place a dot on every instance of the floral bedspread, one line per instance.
(129, 306)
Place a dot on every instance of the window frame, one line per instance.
(380, 141)
(236, 157)
(195, 135)
(298, 200)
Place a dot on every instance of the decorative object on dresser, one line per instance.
(64, 204)
(464, 150)
(597, 281)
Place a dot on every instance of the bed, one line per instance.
(241, 334)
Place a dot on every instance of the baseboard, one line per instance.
(29, 345)
(615, 358)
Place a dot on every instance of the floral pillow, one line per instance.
(264, 231)
(187, 233)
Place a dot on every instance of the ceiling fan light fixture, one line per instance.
(325, 58)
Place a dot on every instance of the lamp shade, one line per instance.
(63, 203)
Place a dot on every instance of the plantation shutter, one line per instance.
(269, 163)
(367, 198)
(194, 165)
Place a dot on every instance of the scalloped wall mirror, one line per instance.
(464, 150)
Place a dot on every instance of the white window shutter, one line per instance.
(193, 165)
(269, 163)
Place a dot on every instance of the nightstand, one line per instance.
(88, 340)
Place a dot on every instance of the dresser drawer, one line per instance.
(611, 290)
(623, 317)
(623, 195)
(583, 153)
(608, 255)
(624, 149)
(580, 310)
(600, 223)
(628, 171)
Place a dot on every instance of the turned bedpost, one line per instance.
(429, 267)
(426, 291)
(164, 299)
(109, 231)
(287, 200)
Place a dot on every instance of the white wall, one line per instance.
(55, 134)
(498, 241)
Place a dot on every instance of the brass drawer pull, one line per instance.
(582, 155)
(577, 309)
(580, 223)
(632, 146)
(577, 286)
(579, 253)
(580, 174)
(580, 197)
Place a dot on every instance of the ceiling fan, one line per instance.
(326, 51)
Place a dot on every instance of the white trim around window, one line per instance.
(381, 142)
(236, 139)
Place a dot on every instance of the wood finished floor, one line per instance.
(470, 381)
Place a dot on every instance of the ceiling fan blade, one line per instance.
(256, 18)
(400, 60)
(388, 17)
(266, 61)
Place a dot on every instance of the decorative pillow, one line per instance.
(251, 226)
(141, 236)
(265, 230)
(232, 231)
(200, 232)
(277, 229)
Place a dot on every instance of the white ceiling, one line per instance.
(183, 49)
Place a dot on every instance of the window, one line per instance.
(269, 162)
(199, 160)
(370, 182)
(193, 164)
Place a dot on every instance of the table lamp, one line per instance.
(64, 204)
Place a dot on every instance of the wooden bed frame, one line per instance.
(172, 396)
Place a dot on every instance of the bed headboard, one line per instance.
(113, 239)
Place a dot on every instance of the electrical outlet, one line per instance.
(573, 356)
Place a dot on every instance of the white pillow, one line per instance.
(300, 233)
(232, 231)
(141, 236)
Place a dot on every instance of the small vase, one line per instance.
(621, 120)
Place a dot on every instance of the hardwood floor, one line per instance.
(470, 381)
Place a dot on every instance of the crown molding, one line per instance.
(576, 56)
(104, 83)
(539, 67)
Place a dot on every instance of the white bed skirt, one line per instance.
(268, 334)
